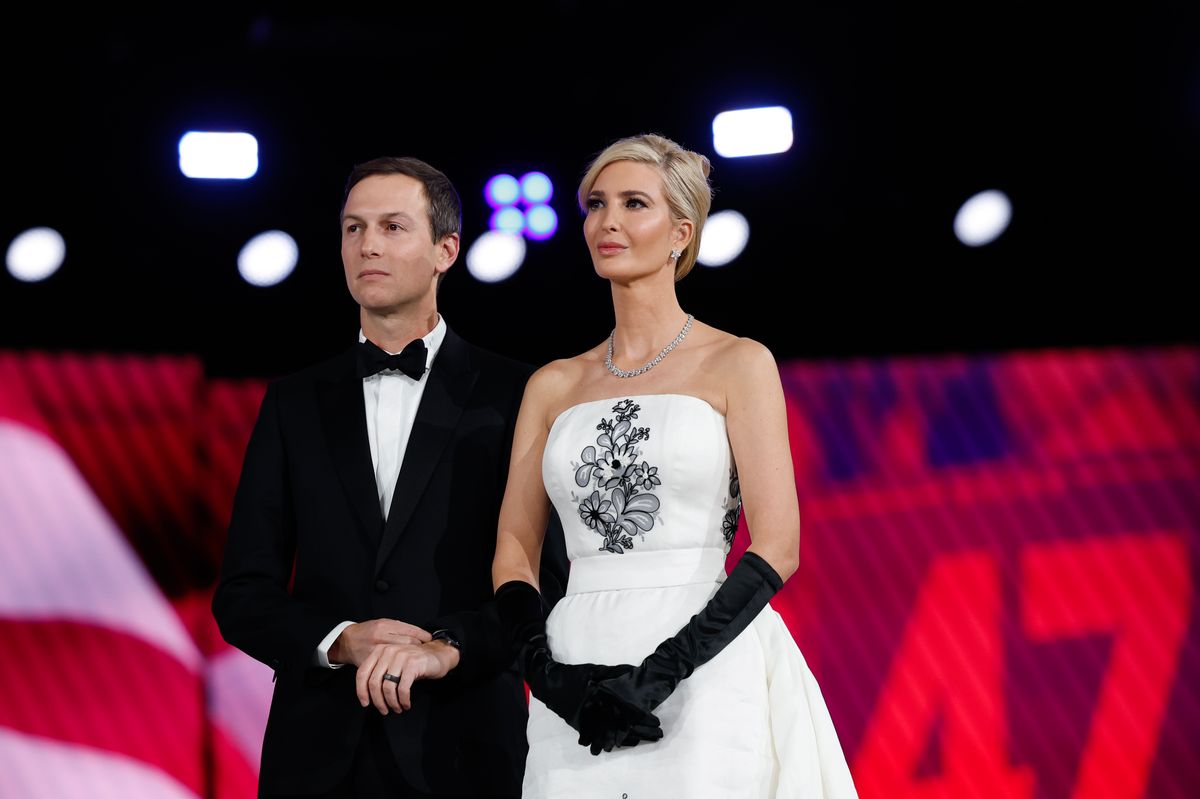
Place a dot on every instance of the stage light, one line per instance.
(983, 218)
(752, 131)
(508, 220)
(725, 236)
(229, 156)
(542, 222)
(495, 256)
(268, 258)
(502, 190)
(536, 188)
(36, 254)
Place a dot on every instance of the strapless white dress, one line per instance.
(648, 495)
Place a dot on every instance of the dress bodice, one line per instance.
(642, 473)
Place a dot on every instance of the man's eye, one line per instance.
(393, 226)
(351, 228)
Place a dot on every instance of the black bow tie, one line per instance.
(410, 360)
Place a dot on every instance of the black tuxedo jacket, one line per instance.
(308, 548)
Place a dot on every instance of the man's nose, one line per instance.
(369, 243)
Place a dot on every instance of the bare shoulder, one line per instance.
(738, 356)
(551, 387)
(748, 372)
(753, 355)
(558, 377)
(548, 383)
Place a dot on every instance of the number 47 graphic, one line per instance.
(949, 666)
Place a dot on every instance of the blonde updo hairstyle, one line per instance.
(684, 177)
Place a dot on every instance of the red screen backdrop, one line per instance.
(997, 590)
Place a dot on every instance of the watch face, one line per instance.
(443, 635)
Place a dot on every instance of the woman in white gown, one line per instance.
(656, 675)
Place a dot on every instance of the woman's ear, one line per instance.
(682, 235)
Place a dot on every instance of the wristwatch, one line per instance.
(448, 637)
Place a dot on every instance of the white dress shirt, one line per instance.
(391, 399)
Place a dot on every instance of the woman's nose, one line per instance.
(610, 219)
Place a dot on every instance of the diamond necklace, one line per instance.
(619, 372)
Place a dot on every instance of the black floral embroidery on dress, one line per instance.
(733, 507)
(620, 505)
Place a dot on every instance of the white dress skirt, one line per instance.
(649, 500)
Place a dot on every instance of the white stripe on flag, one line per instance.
(33, 768)
(62, 556)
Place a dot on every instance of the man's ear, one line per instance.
(448, 251)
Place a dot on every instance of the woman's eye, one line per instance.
(633, 202)
(593, 203)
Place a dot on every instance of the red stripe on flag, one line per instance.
(89, 685)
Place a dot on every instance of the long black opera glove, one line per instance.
(568, 689)
(737, 602)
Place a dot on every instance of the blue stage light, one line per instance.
(502, 190)
(543, 222)
(536, 188)
(508, 220)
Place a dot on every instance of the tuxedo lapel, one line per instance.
(449, 384)
(344, 416)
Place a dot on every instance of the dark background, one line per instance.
(1090, 123)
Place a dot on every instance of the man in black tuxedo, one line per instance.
(358, 564)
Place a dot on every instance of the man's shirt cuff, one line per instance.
(321, 656)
